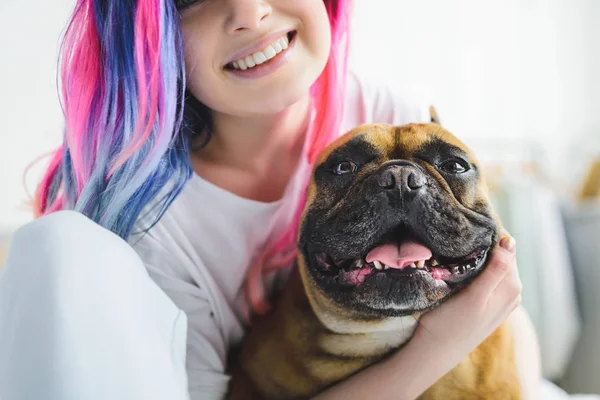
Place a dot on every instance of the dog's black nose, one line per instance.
(403, 177)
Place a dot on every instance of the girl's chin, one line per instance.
(271, 109)
(267, 102)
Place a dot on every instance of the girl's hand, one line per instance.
(465, 320)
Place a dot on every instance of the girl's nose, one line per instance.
(247, 14)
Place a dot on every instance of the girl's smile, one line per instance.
(251, 63)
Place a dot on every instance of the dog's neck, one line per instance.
(350, 333)
(341, 324)
(363, 337)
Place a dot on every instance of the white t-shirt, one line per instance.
(200, 250)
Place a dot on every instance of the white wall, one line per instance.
(509, 71)
(30, 116)
(500, 70)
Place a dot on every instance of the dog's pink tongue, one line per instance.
(399, 257)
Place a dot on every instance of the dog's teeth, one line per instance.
(455, 270)
(421, 264)
(377, 265)
(386, 267)
(413, 265)
(434, 262)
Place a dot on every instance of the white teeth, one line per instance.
(263, 56)
(284, 42)
(270, 52)
(259, 57)
(413, 265)
(250, 61)
(386, 267)
(378, 265)
(421, 264)
(434, 262)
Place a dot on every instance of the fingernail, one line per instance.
(508, 243)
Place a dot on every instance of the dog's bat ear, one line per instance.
(433, 116)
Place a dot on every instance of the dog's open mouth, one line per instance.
(400, 260)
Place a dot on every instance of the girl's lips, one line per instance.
(268, 67)
(259, 45)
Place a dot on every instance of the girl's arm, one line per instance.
(444, 336)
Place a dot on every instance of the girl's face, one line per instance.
(236, 58)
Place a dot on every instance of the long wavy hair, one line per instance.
(130, 123)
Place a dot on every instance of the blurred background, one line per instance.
(517, 80)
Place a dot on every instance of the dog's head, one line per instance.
(397, 220)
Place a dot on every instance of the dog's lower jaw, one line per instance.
(357, 334)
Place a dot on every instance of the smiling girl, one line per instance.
(168, 215)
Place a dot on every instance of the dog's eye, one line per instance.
(345, 167)
(454, 166)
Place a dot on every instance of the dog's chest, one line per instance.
(380, 340)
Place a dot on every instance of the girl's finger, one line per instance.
(502, 262)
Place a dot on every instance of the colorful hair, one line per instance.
(129, 121)
(327, 107)
(123, 80)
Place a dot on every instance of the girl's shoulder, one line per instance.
(368, 100)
